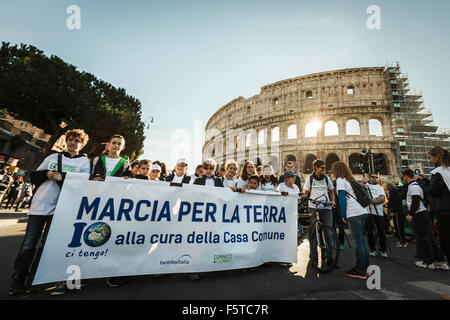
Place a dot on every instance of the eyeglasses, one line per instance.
(323, 168)
(374, 177)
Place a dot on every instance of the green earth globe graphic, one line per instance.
(97, 234)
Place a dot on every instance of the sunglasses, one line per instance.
(374, 177)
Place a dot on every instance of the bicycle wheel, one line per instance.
(324, 248)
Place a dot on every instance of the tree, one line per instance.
(47, 92)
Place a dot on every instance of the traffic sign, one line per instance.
(416, 168)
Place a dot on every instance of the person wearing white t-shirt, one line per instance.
(112, 163)
(209, 179)
(353, 214)
(180, 173)
(269, 181)
(48, 179)
(427, 248)
(229, 179)
(247, 171)
(289, 185)
(375, 219)
(320, 187)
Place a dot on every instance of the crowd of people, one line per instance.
(14, 191)
(360, 206)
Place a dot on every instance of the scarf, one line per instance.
(445, 173)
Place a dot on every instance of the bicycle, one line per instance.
(317, 237)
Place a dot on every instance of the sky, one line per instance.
(185, 59)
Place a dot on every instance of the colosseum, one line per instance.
(331, 115)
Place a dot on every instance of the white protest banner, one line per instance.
(135, 227)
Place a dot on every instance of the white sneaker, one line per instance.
(383, 254)
(421, 264)
(373, 253)
(432, 266)
(442, 265)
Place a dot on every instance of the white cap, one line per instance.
(156, 167)
(182, 160)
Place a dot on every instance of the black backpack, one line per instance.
(362, 196)
(423, 185)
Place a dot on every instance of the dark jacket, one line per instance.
(100, 170)
(439, 194)
(297, 181)
(395, 201)
(202, 181)
(186, 178)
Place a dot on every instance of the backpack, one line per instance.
(423, 185)
(362, 196)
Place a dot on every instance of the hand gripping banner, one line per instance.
(135, 227)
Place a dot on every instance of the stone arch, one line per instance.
(309, 159)
(330, 159)
(352, 127)
(331, 128)
(291, 157)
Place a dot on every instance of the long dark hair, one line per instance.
(341, 170)
(444, 159)
(273, 178)
(244, 174)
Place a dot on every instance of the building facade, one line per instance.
(330, 115)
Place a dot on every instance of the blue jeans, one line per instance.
(37, 226)
(356, 225)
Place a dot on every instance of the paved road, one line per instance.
(400, 280)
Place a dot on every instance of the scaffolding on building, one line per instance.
(412, 123)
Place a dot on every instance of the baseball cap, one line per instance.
(289, 173)
(156, 167)
(182, 160)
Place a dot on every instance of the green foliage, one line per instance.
(47, 91)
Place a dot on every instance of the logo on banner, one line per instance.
(184, 259)
(223, 258)
(96, 235)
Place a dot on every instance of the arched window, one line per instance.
(310, 158)
(375, 128)
(292, 132)
(331, 158)
(312, 128)
(331, 129)
(276, 134)
(261, 139)
(352, 128)
(291, 157)
(247, 141)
